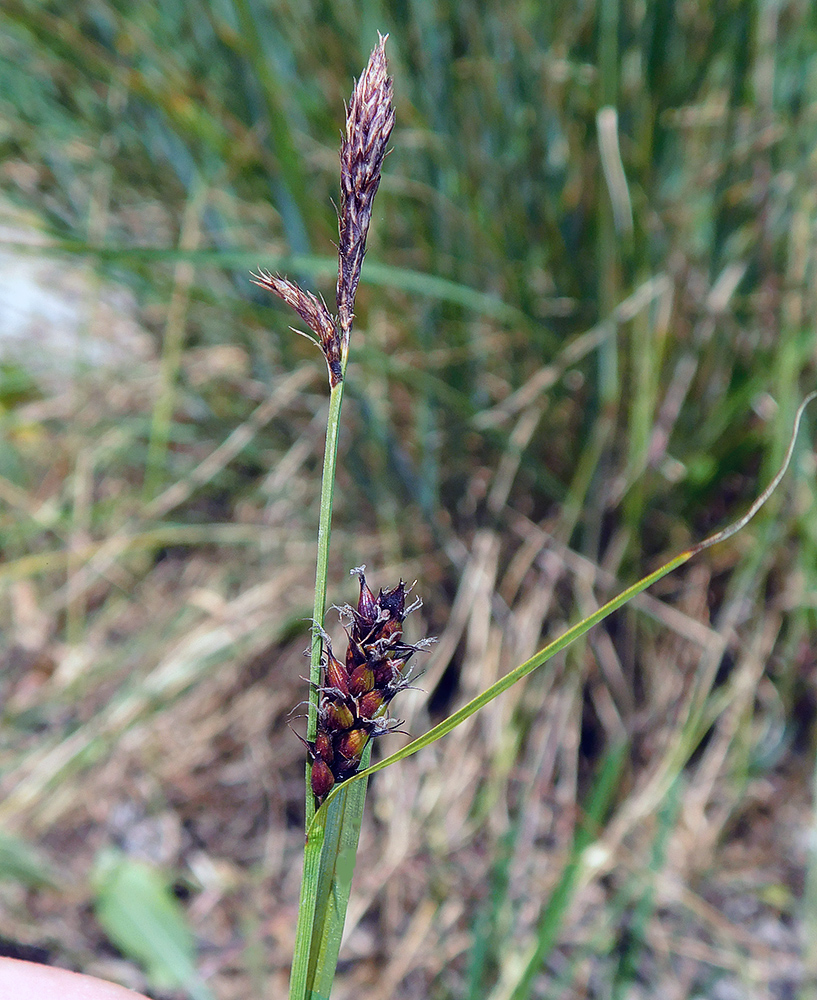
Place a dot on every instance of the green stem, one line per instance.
(315, 861)
(330, 461)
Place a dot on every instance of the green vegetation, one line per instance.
(584, 326)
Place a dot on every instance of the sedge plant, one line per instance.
(349, 697)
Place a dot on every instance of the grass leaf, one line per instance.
(580, 628)
(19, 862)
(329, 864)
(143, 919)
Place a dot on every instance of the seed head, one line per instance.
(355, 695)
(369, 121)
(314, 312)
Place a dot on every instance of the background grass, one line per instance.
(569, 364)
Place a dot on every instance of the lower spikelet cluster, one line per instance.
(355, 695)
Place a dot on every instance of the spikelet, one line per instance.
(356, 693)
(369, 122)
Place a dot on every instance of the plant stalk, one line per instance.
(330, 460)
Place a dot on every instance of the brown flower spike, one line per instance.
(355, 695)
(369, 122)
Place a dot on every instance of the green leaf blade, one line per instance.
(329, 863)
(144, 920)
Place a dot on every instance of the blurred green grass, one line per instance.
(573, 358)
